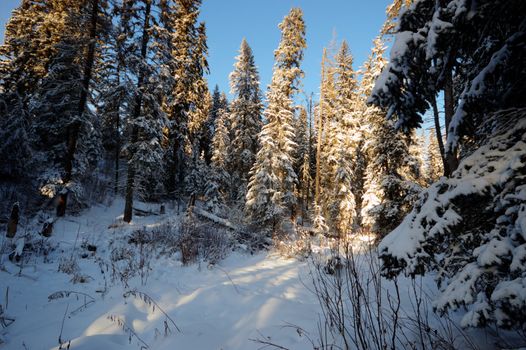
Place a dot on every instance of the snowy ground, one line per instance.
(215, 307)
(222, 306)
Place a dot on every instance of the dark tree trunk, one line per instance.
(74, 128)
(438, 135)
(175, 173)
(451, 157)
(13, 221)
(449, 102)
(118, 139)
(130, 182)
(62, 201)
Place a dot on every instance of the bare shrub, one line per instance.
(362, 310)
(200, 240)
(122, 260)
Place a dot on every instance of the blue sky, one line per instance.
(228, 21)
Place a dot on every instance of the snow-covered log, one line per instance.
(216, 219)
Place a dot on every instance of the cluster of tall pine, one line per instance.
(93, 87)
(338, 164)
(111, 95)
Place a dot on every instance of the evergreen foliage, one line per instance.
(271, 193)
(390, 188)
(245, 117)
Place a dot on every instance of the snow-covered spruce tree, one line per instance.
(339, 141)
(221, 140)
(64, 128)
(30, 39)
(271, 190)
(327, 117)
(245, 118)
(477, 249)
(470, 228)
(389, 193)
(325, 113)
(302, 160)
(416, 160)
(349, 137)
(208, 127)
(21, 69)
(114, 86)
(438, 48)
(146, 119)
(219, 180)
(184, 104)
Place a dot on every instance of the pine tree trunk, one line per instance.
(307, 197)
(320, 131)
(62, 201)
(130, 182)
(449, 109)
(118, 141)
(13, 221)
(449, 103)
(175, 176)
(438, 135)
(318, 160)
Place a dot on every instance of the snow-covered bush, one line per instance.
(471, 230)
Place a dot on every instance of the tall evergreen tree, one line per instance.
(245, 117)
(271, 190)
(302, 159)
(219, 180)
(114, 84)
(64, 127)
(389, 193)
(348, 144)
(339, 142)
(147, 119)
(185, 108)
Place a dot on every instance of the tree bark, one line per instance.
(451, 157)
(13, 221)
(175, 173)
(130, 182)
(118, 141)
(438, 135)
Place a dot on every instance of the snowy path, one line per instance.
(218, 307)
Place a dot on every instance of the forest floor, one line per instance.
(221, 306)
(89, 299)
